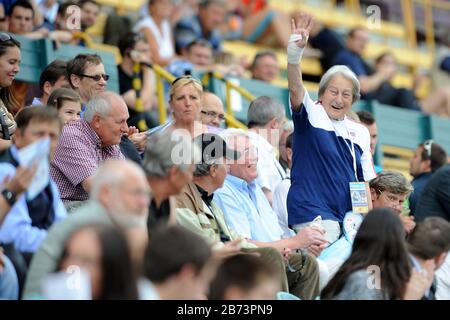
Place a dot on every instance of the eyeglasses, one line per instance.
(427, 147)
(96, 77)
(213, 114)
(186, 78)
(5, 37)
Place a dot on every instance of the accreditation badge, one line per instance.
(360, 197)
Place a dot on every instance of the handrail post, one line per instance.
(161, 104)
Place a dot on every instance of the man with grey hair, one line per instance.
(390, 189)
(168, 164)
(197, 211)
(329, 151)
(266, 117)
(120, 196)
(86, 143)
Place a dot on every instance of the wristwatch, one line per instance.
(9, 196)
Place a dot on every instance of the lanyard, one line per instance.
(351, 147)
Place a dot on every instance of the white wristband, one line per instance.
(294, 53)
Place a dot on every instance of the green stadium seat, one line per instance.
(37, 54)
(440, 131)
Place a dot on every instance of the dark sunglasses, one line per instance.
(96, 77)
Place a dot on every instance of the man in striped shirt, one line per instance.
(86, 143)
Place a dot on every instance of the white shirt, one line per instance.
(280, 206)
(270, 171)
(163, 39)
(146, 290)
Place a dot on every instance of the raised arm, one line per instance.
(300, 30)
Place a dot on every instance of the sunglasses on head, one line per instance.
(5, 37)
(427, 147)
(96, 77)
(187, 78)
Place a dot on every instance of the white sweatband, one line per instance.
(294, 53)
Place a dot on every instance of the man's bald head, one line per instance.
(212, 110)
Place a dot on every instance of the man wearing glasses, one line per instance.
(86, 75)
(390, 189)
(428, 157)
(212, 113)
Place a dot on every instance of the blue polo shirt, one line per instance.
(247, 210)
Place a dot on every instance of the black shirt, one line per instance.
(435, 198)
(157, 216)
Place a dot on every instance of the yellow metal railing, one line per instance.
(160, 74)
(229, 114)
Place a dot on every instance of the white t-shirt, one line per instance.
(270, 171)
(164, 38)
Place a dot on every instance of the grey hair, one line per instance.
(347, 74)
(263, 109)
(391, 181)
(112, 173)
(100, 104)
(168, 149)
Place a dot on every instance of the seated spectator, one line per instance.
(205, 25)
(90, 9)
(281, 192)
(157, 29)
(53, 77)
(177, 266)
(198, 56)
(197, 211)
(10, 57)
(367, 119)
(28, 219)
(329, 151)
(248, 212)
(166, 175)
(288, 128)
(244, 277)
(435, 198)
(26, 225)
(86, 143)
(257, 23)
(266, 117)
(185, 97)
(68, 104)
(390, 189)
(86, 75)
(428, 247)
(428, 157)
(9, 284)
(21, 17)
(3, 19)
(440, 72)
(265, 66)
(212, 114)
(49, 10)
(378, 244)
(375, 83)
(104, 252)
(134, 49)
(328, 41)
(119, 196)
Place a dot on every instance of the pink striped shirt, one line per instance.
(77, 157)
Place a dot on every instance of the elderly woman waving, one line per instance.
(329, 151)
